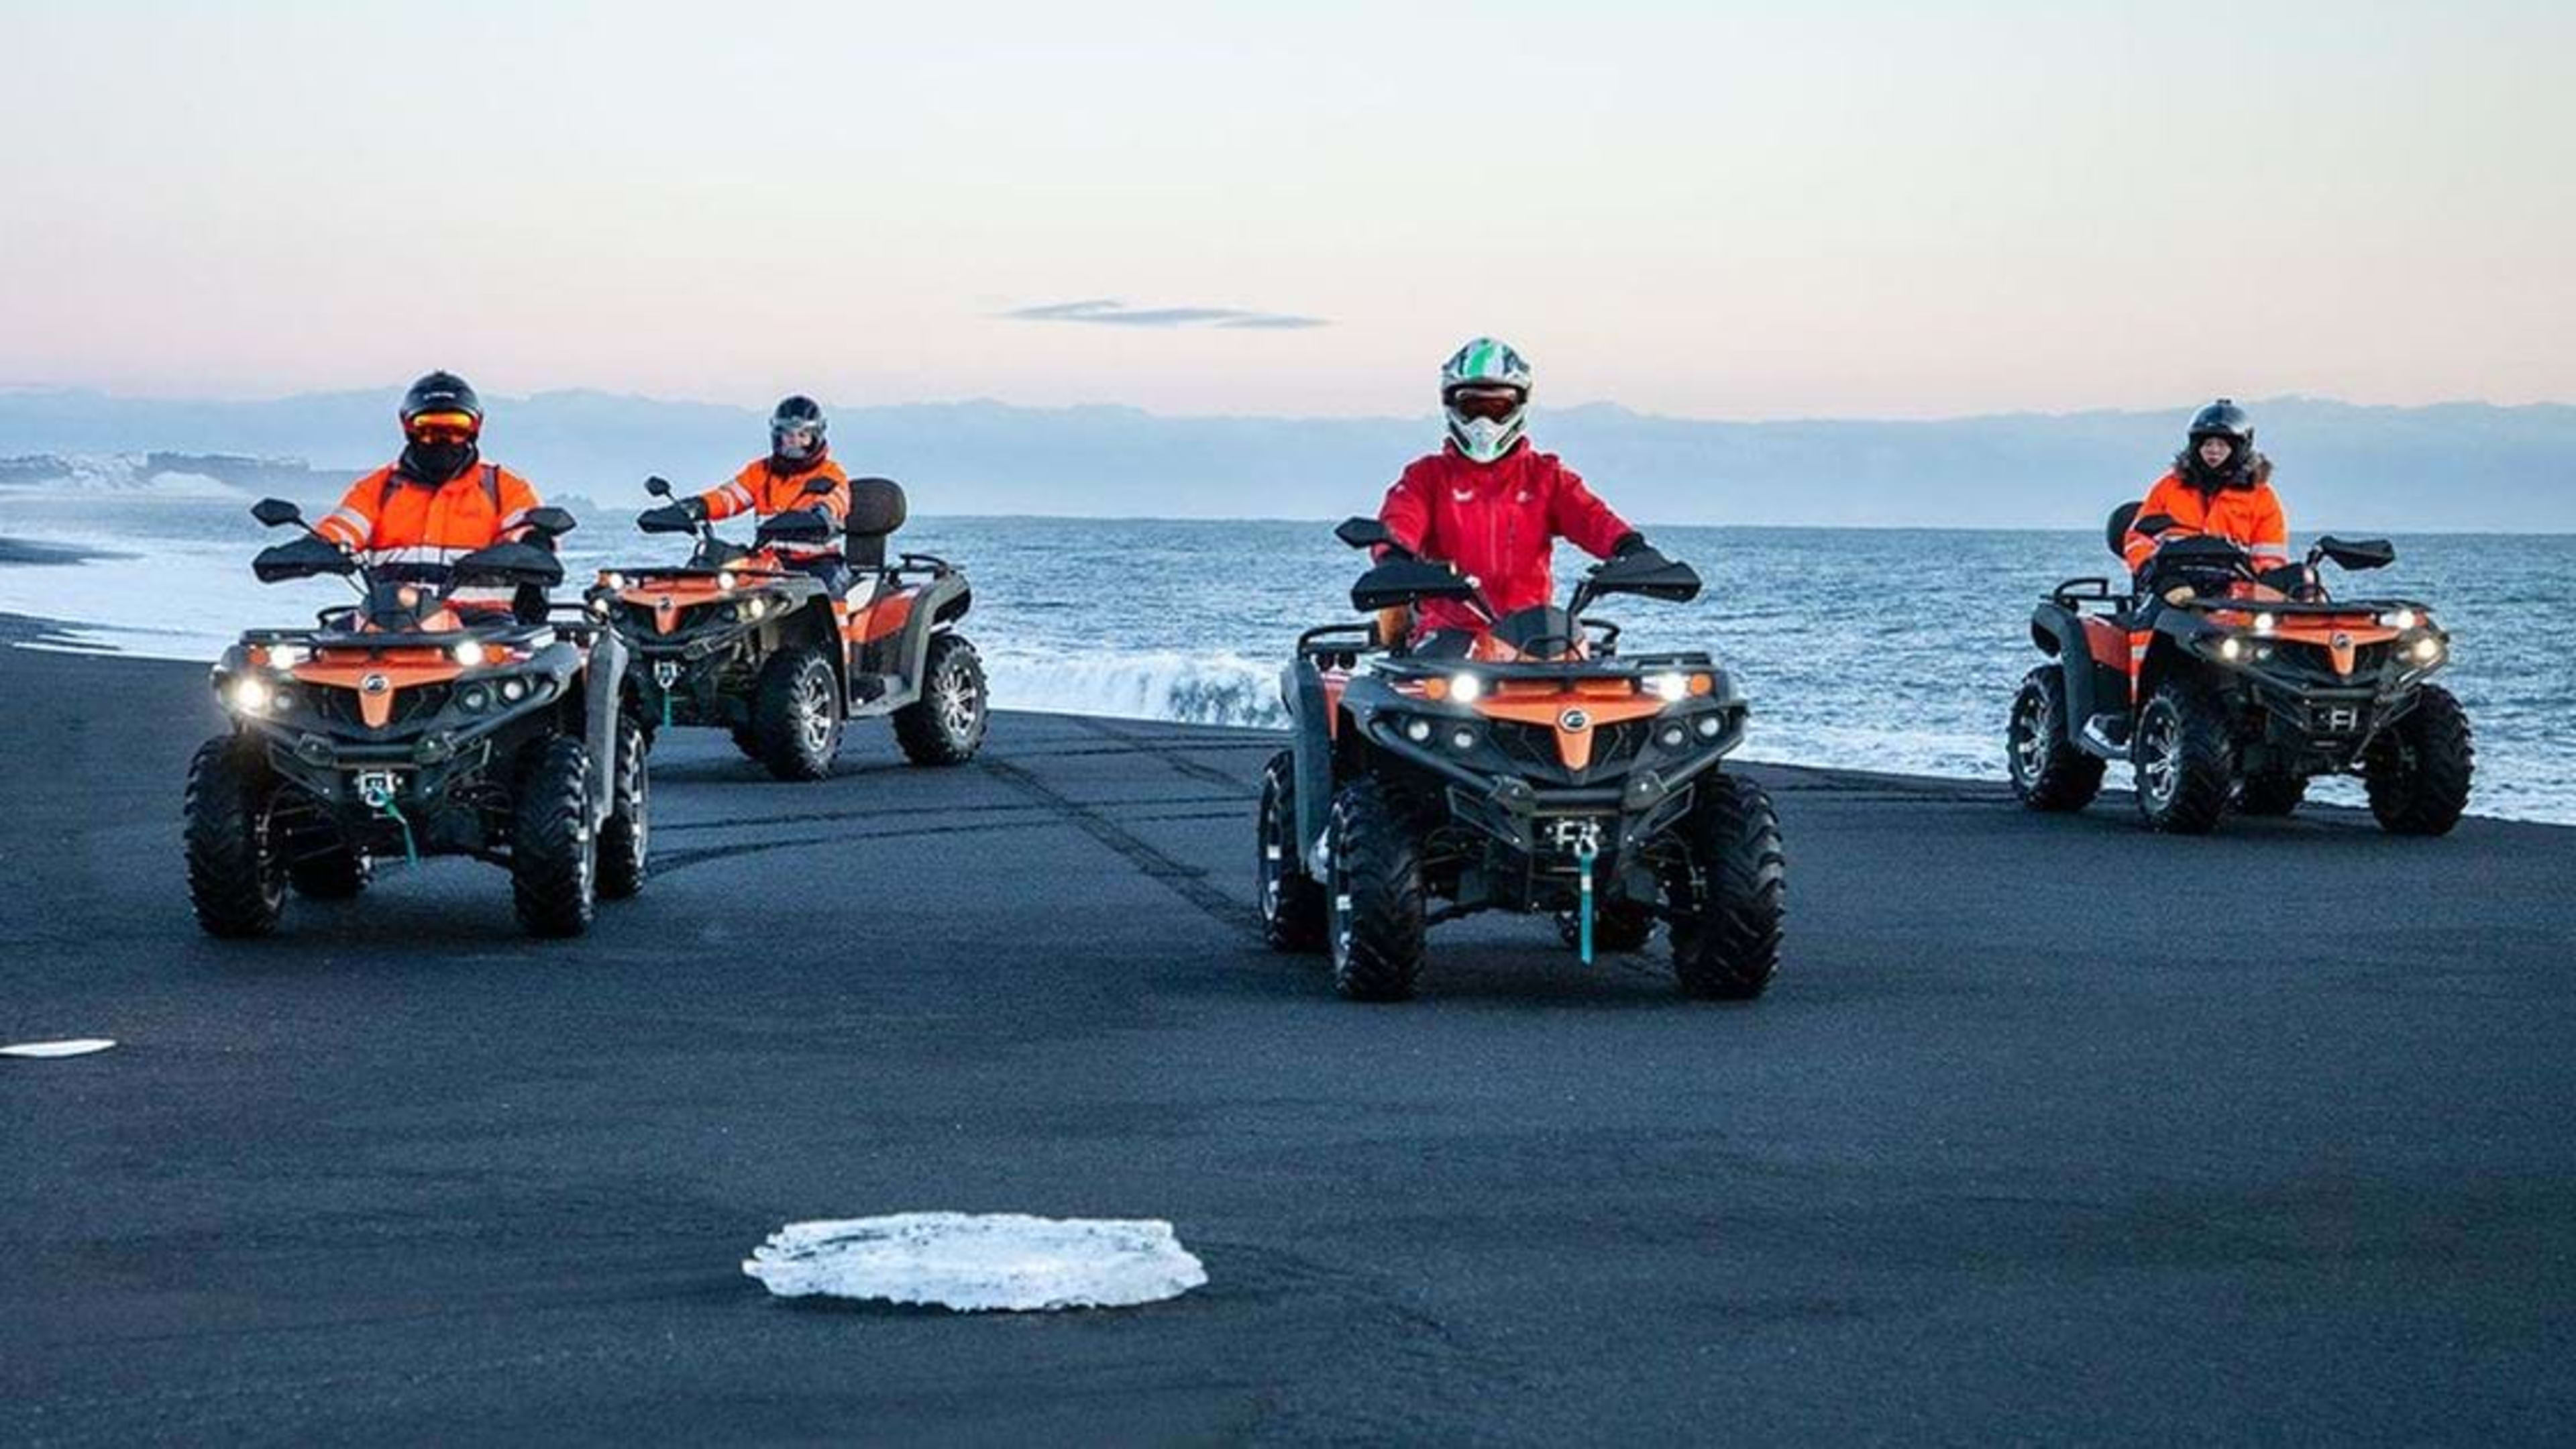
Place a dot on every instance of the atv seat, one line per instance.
(877, 509)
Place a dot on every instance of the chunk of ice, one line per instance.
(80, 1048)
(979, 1261)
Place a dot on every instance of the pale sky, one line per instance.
(1706, 209)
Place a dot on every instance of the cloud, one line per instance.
(1111, 312)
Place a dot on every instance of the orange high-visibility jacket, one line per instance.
(2249, 517)
(763, 491)
(389, 520)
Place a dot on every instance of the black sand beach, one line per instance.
(2051, 1130)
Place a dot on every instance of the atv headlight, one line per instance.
(2266, 623)
(287, 656)
(513, 690)
(726, 581)
(1462, 739)
(1417, 729)
(475, 699)
(469, 653)
(613, 580)
(1670, 687)
(2400, 619)
(1673, 736)
(1710, 726)
(1466, 688)
(250, 694)
(2427, 650)
(2231, 649)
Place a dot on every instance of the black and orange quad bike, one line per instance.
(738, 640)
(1526, 768)
(400, 728)
(2237, 697)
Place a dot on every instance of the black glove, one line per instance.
(1631, 544)
(669, 518)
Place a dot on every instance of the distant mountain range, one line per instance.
(2452, 467)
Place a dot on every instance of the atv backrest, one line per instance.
(876, 510)
(2116, 533)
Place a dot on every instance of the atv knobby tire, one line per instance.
(796, 714)
(236, 880)
(554, 854)
(2419, 772)
(946, 725)
(1374, 895)
(1730, 901)
(1292, 902)
(625, 837)
(2186, 769)
(2271, 794)
(2049, 771)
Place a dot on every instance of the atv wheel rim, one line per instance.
(2031, 728)
(2159, 756)
(957, 707)
(814, 711)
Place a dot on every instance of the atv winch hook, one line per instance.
(377, 793)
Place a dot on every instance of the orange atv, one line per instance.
(2240, 694)
(1527, 768)
(782, 656)
(400, 727)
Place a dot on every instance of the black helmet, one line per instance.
(441, 392)
(2221, 419)
(796, 413)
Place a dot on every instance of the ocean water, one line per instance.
(1888, 649)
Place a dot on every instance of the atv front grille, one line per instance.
(1614, 746)
(418, 702)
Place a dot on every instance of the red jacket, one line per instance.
(1499, 523)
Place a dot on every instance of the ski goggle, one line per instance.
(1494, 404)
(435, 428)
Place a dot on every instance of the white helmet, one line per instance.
(1484, 389)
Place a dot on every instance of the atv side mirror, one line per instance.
(658, 486)
(2116, 532)
(817, 487)
(1364, 533)
(276, 512)
(551, 521)
(1404, 581)
(2359, 553)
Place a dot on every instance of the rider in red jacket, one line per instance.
(1488, 503)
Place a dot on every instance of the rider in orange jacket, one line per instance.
(439, 501)
(2218, 486)
(1488, 503)
(767, 487)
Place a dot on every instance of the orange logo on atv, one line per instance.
(1574, 721)
(2340, 646)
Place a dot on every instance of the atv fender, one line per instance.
(603, 692)
(1310, 742)
(2092, 686)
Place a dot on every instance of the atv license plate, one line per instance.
(2336, 719)
(1571, 833)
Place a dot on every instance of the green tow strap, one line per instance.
(1586, 852)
